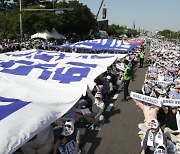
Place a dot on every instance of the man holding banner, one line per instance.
(153, 138)
(150, 112)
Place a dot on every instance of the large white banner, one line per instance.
(171, 102)
(37, 87)
(145, 98)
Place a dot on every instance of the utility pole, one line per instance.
(20, 16)
(53, 3)
(134, 25)
(99, 9)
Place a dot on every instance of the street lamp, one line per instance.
(21, 29)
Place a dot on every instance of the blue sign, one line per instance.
(101, 44)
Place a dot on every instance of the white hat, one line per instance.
(68, 128)
(177, 86)
(162, 91)
(108, 77)
(154, 124)
(98, 94)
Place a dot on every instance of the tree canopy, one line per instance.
(169, 34)
(77, 22)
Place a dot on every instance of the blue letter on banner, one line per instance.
(12, 106)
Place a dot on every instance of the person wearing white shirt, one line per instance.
(95, 117)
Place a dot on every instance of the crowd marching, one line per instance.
(160, 131)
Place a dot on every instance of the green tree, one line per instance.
(78, 22)
(166, 33)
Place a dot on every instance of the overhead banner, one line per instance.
(139, 42)
(38, 87)
(103, 44)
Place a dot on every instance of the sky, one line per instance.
(150, 15)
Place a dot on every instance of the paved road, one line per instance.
(118, 135)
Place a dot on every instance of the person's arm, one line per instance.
(110, 87)
(165, 109)
(144, 146)
(90, 94)
(178, 119)
(97, 88)
(146, 75)
(77, 142)
(143, 151)
(61, 140)
(138, 103)
(143, 91)
(100, 111)
(56, 146)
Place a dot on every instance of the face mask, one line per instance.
(67, 130)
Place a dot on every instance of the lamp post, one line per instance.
(53, 3)
(21, 29)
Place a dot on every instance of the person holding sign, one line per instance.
(69, 140)
(171, 124)
(150, 112)
(153, 138)
(94, 115)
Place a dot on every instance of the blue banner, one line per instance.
(102, 44)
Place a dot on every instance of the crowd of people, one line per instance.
(15, 45)
(89, 110)
(160, 131)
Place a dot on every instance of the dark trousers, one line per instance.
(141, 62)
(126, 85)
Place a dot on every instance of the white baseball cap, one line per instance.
(98, 95)
(108, 77)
